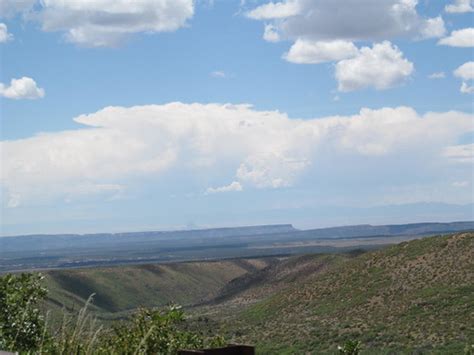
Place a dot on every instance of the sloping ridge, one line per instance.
(278, 275)
(417, 295)
(122, 288)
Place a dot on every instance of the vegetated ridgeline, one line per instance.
(416, 295)
(121, 288)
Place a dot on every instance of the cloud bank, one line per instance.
(232, 146)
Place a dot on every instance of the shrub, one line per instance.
(351, 347)
(22, 326)
(149, 331)
(155, 332)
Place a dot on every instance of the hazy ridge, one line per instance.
(72, 251)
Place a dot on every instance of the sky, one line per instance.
(121, 115)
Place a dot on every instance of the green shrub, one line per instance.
(351, 347)
(155, 332)
(22, 326)
(149, 331)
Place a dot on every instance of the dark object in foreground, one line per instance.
(228, 350)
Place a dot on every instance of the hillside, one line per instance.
(122, 288)
(255, 286)
(415, 295)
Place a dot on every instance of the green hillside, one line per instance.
(253, 287)
(415, 296)
(122, 288)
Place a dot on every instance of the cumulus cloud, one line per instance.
(381, 67)
(105, 23)
(465, 71)
(432, 28)
(276, 10)
(212, 144)
(23, 88)
(370, 20)
(102, 23)
(328, 31)
(466, 88)
(460, 38)
(314, 52)
(233, 186)
(460, 6)
(437, 75)
(4, 35)
(270, 34)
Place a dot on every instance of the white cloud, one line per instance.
(11, 7)
(432, 28)
(271, 170)
(270, 34)
(218, 74)
(232, 187)
(466, 88)
(371, 20)
(277, 10)
(4, 35)
(465, 71)
(460, 38)
(381, 67)
(460, 6)
(102, 23)
(437, 75)
(107, 23)
(460, 153)
(325, 31)
(207, 145)
(23, 88)
(314, 52)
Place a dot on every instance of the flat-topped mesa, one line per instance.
(60, 241)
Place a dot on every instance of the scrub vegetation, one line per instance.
(414, 297)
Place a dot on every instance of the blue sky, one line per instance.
(279, 116)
